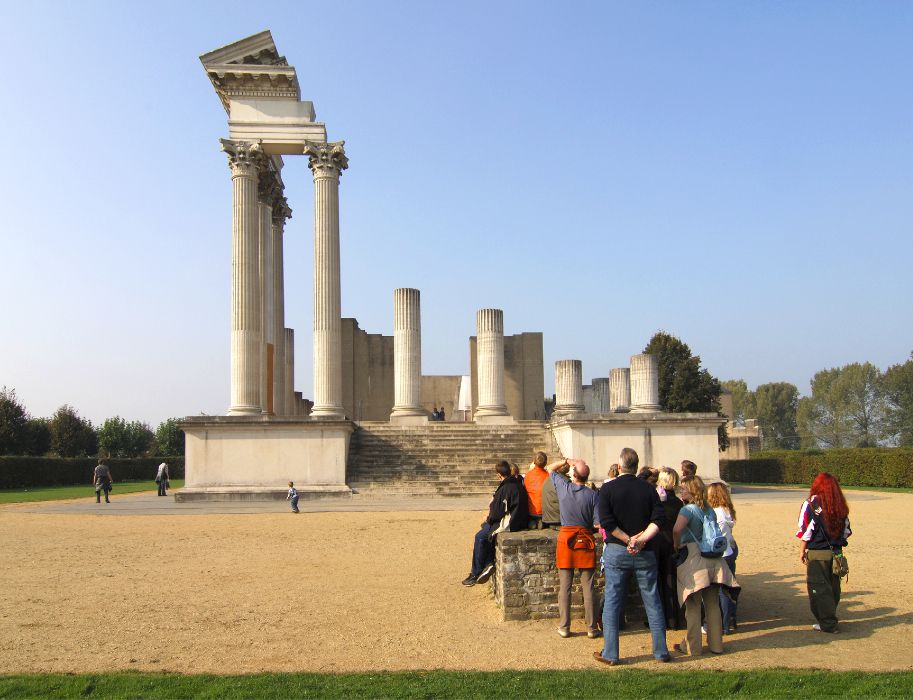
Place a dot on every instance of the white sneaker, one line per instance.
(704, 629)
(816, 627)
(563, 633)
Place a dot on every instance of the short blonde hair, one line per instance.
(668, 479)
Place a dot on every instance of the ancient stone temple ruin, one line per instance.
(367, 427)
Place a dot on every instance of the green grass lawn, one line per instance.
(452, 684)
(59, 493)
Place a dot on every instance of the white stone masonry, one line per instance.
(492, 407)
(644, 384)
(620, 390)
(327, 161)
(568, 387)
(245, 159)
(407, 358)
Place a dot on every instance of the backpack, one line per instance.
(713, 542)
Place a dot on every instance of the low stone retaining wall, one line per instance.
(525, 583)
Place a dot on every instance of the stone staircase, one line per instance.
(440, 459)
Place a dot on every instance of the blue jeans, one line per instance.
(294, 504)
(618, 567)
(483, 550)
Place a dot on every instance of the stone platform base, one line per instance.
(255, 493)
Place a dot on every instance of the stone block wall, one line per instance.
(525, 583)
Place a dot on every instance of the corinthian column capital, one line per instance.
(244, 157)
(326, 159)
(281, 210)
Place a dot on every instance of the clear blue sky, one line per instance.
(738, 174)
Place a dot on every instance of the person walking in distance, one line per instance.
(161, 478)
(631, 514)
(101, 477)
(292, 496)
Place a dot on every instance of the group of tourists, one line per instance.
(671, 531)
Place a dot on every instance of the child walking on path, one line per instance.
(292, 496)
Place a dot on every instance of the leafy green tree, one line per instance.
(112, 437)
(71, 435)
(118, 438)
(37, 437)
(775, 406)
(742, 400)
(169, 438)
(139, 439)
(846, 408)
(897, 384)
(13, 419)
(684, 386)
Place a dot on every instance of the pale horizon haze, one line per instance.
(737, 174)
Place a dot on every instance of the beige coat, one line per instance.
(697, 573)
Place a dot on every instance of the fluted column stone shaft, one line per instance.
(644, 384)
(568, 387)
(490, 362)
(281, 212)
(407, 356)
(620, 390)
(327, 161)
(244, 159)
(267, 344)
(601, 394)
(289, 374)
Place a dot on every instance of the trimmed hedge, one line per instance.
(38, 472)
(861, 466)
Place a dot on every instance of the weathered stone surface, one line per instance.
(525, 584)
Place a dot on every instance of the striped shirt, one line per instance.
(809, 532)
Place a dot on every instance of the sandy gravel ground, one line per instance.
(377, 591)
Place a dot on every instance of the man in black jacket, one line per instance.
(631, 514)
(510, 499)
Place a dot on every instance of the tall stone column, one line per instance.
(289, 375)
(327, 161)
(266, 193)
(601, 394)
(644, 384)
(490, 362)
(620, 390)
(244, 159)
(407, 358)
(281, 212)
(568, 387)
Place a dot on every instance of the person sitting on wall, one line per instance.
(535, 478)
(508, 511)
(576, 547)
(551, 507)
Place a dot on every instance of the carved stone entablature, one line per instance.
(251, 67)
(326, 159)
(245, 158)
(281, 211)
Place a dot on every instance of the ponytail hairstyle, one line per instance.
(834, 508)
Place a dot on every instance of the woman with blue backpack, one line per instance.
(702, 572)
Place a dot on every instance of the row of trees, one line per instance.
(856, 405)
(67, 434)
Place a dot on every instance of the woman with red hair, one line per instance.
(823, 530)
